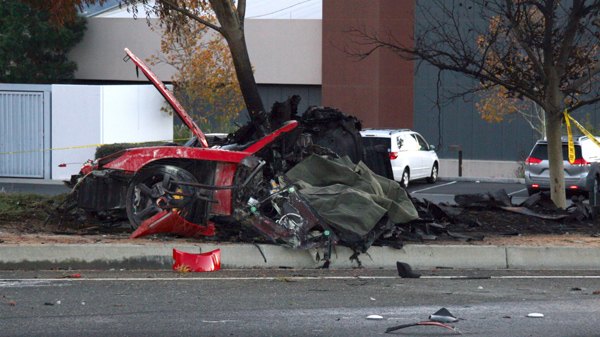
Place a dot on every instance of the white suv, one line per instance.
(410, 154)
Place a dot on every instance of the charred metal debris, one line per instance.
(300, 180)
(475, 215)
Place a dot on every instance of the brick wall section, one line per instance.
(378, 90)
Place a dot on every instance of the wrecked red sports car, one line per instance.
(243, 178)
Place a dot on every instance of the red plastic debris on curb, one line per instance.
(201, 262)
(172, 222)
(72, 276)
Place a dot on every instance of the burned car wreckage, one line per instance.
(298, 180)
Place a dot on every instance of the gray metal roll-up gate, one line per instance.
(24, 131)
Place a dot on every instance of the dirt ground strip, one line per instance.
(545, 240)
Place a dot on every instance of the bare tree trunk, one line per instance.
(243, 70)
(232, 29)
(555, 158)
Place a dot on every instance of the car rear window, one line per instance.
(372, 141)
(540, 151)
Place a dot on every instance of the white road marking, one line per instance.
(432, 187)
(45, 282)
(519, 191)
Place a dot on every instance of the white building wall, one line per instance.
(133, 114)
(75, 120)
(84, 116)
(281, 51)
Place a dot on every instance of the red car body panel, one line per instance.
(134, 159)
(172, 222)
(223, 177)
(200, 262)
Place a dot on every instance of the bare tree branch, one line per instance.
(570, 32)
(241, 9)
(519, 36)
(587, 78)
(172, 5)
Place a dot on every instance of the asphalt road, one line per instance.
(444, 191)
(295, 303)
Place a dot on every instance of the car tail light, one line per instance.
(580, 161)
(573, 187)
(535, 186)
(532, 161)
(393, 155)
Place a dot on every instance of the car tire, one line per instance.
(149, 185)
(405, 179)
(434, 174)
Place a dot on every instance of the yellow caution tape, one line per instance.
(570, 144)
(585, 132)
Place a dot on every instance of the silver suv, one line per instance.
(582, 176)
(410, 155)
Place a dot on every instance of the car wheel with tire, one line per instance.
(155, 185)
(405, 178)
(434, 174)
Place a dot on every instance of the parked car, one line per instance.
(581, 176)
(410, 155)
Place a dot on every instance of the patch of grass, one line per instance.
(21, 206)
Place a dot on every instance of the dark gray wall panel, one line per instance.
(271, 93)
(460, 124)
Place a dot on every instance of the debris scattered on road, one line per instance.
(439, 319)
(201, 262)
(48, 303)
(12, 303)
(423, 323)
(443, 316)
(596, 292)
(405, 270)
(490, 199)
(535, 315)
(77, 275)
(375, 317)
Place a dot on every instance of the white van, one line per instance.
(410, 155)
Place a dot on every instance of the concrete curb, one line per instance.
(159, 256)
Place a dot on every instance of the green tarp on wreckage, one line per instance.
(350, 196)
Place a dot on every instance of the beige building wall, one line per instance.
(100, 55)
(281, 51)
(285, 51)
